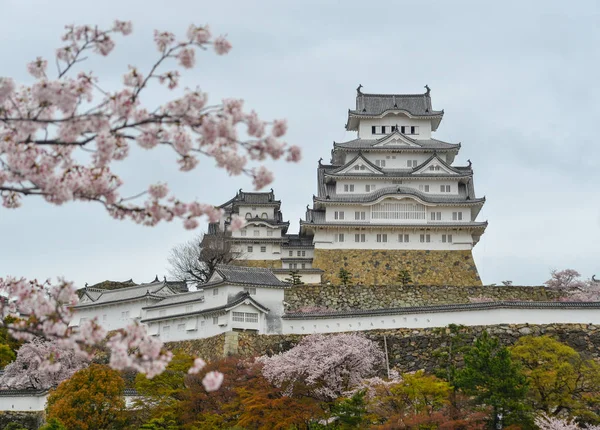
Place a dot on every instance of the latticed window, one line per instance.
(251, 317)
(238, 316)
(398, 211)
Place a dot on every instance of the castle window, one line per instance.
(250, 249)
(457, 216)
(411, 163)
(237, 316)
(373, 129)
(303, 265)
(398, 211)
(243, 232)
(403, 129)
(256, 232)
(304, 253)
(382, 237)
(359, 237)
(403, 238)
(383, 129)
(362, 167)
(339, 237)
(253, 209)
(251, 290)
(436, 216)
(369, 188)
(380, 163)
(424, 188)
(356, 167)
(269, 232)
(215, 320)
(394, 127)
(445, 188)
(414, 129)
(263, 249)
(264, 215)
(360, 216)
(349, 187)
(299, 253)
(251, 317)
(447, 238)
(291, 253)
(338, 215)
(425, 238)
(248, 215)
(215, 292)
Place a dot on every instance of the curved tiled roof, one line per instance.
(152, 290)
(446, 308)
(367, 144)
(415, 105)
(245, 276)
(397, 190)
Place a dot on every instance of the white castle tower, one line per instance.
(394, 189)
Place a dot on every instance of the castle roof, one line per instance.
(243, 275)
(253, 198)
(378, 105)
(415, 144)
(155, 290)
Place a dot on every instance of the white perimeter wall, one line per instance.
(442, 319)
(23, 403)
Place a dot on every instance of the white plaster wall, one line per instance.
(298, 265)
(308, 253)
(364, 127)
(400, 159)
(434, 185)
(23, 403)
(442, 319)
(251, 230)
(257, 211)
(350, 214)
(110, 316)
(272, 250)
(324, 239)
(178, 308)
(177, 327)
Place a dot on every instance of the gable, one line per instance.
(435, 166)
(215, 277)
(397, 139)
(360, 166)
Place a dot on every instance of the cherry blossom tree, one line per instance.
(577, 290)
(324, 366)
(41, 365)
(550, 423)
(61, 135)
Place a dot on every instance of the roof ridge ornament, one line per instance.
(358, 91)
(469, 161)
(428, 90)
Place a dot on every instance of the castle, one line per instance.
(388, 199)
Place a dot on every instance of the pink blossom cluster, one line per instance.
(59, 137)
(568, 281)
(327, 365)
(44, 311)
(545, 422)
(41, 365)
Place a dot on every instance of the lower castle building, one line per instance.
(389, 200)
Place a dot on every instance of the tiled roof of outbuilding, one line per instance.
(246, 275)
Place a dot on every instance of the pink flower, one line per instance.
(294, 154)
(190, 223)
(134, 78)
(187, 163)
(200, 35)
(187, 57)
(221, 45)
(163, 39)
(182, 142)
(237, 223)
(279, 127)
(158, 191)
(212, 381)
(124, 27)
(262, 177)
(104, 46)
(7, 87)
(197, 367)
(37, 68)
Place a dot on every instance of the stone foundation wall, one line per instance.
(211, 348)
(377, 267)
(267, 264)
(28, 420)
(340, 298)
(412, 349)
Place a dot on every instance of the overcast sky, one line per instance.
(518, 82)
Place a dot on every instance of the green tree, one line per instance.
(449, 357)
(561, 381)
(421, 393)
(53, 424)
(350, 413)
(404, 277)
(344, 276)
(295, 278)
(8, 344)
(92, 399)
(160, 396)
(493, 379)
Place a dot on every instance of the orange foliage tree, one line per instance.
(92, 399)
